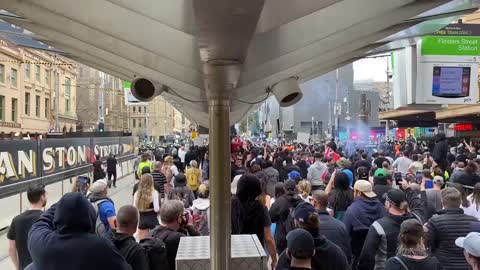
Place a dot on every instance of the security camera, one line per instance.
(146, 90)
(287, 92)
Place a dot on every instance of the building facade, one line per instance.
(327, 102)
(102, 96)
(28, 101)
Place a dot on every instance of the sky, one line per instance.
(371, 69)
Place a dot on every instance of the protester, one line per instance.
(402, 163)
(470, 177)
(194, 176)
(332, 228)
(440, 151)
(279, 192)
(147, 201)
(458, 171)
(382, 238)
(177, 161)
(159, 179)
(474, 203)
(363, 162)
(448, 225)
(170, 171)
(181, 191)
(18, 231)
(341, 196)
(122, 238)
(380, 159)
(303, 165)
(62, 238)
(304, 189)
(365, 209)
(201, 210)
(249, 216)
(182, 152)
(327, 254)
(471, 246)
(81, 185)
(237, 167)
(205, 165)
(103, 206)
(416, 165)
(381, 185)
(112, 170)
(288, 168)
(317, 172)
(175, 223)
(146, 162)
(301, 249)
(98, 169)
(345, 165)
(272, 176)
(411, 253)
(280, 213)
(434, 197)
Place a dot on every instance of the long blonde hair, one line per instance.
(304, 187)
(144, 192)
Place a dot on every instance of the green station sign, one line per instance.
(454, 39)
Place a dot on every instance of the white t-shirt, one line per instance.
(472, 209)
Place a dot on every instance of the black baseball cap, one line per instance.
(396, 197)
(300, 244)
(290, 184)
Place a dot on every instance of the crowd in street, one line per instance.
(311, 206)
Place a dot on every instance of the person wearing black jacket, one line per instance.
(122, 238)
(174, 224)
(382, 238)
(303, 165)
(63, 238)
(327, 255)
(288, 168)
(440, 151)
(330, 227)
(446, 227)
(98, 171)
(112, 170)
(280, 214)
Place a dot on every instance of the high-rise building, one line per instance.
(28, 101)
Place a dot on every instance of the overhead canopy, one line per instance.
(167, 41)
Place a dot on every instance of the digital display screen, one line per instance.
(453, 82)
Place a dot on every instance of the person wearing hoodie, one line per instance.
(181, 191)
(382, 238)
(365, 209)
(303, 165)
(289, 167)
(280, 213)
(201, 210)
(317, 172)
(64, 238)
(327, 255)
(272, 176)
(122, 238)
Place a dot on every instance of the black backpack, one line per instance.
(157, 253)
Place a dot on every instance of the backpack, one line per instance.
(192, 178)
(156, 252)
(99, 226)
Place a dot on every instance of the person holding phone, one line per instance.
(427, 178)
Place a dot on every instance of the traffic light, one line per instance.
(101, 127)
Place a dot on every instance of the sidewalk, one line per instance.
(122, 195)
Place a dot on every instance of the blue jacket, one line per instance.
(64, 238)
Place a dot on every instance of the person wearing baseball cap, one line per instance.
(382, 238)
(471, 249)
(105, 205)
(327, 254)
(300, 249)
(434, 197)
(365, 209)
(280, 212)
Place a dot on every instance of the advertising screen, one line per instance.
(451, 82)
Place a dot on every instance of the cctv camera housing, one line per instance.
(145, 90)
(287, 92)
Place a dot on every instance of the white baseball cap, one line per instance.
(471, 243)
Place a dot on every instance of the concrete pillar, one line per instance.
(220, 78)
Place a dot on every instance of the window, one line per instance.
(27, 103)
(145, 122)
(47, 108)
(67, 95)
(14, 109)
(27, 71)
(37, 106)
(47, 76)
(14, 77)
(139, 123)
(133, 108)
(2, 73)
(2, 108)
(134, 123)
(37, 73)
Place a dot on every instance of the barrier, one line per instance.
(26, 162)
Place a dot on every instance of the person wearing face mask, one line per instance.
(175, 223)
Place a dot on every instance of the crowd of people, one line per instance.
(311, 206)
